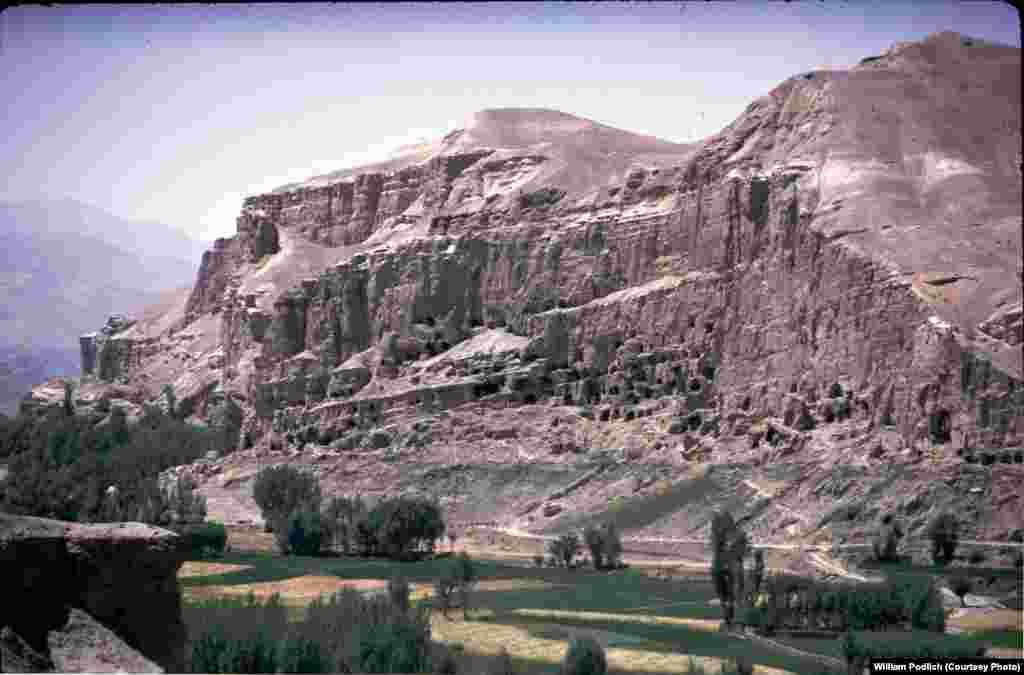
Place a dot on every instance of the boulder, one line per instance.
(124, 575)
(84, 645)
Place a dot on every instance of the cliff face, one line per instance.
(847, 252)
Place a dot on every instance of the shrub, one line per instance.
(281, 490)
(584, 657)
(398, 592)
(214, 652)
(887, 540)
(302, 655)
(944, 535)
(806, 421)
(305, 533)
(445, 588)
(757, 574)
(400, 526)
(611, 545)
(860, 647)
(353, 629)
(398, 647)
(208, 538)
(565, 549)
(594, 542)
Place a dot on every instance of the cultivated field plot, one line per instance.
(648, 625)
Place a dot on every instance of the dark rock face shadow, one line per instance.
(123, 575)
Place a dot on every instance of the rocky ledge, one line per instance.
(89, 598)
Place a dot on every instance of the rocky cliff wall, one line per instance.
(835, 253)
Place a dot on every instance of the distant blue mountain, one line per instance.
(67, 265)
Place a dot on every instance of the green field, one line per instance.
(650, 624)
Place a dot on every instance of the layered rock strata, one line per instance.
(836, 253)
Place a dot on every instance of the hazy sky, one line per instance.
(177, 112)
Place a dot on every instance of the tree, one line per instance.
(585, 656)
(340, 519)
(887, 539)
(305, 533)
(565, 548)
(69, 403)
(604, 544)
(612, 545)
(595, 543)
(404, 525)
(944, 534)
(280, 490)
(757, 574)
(729, 547)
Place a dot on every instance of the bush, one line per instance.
(860, 647)
(282, 490)
(216, 653)
(331, 622)
(305, 533)
(595, 543)
(887, 539)
(400, 528)
(208, 538)
(340, 518)
(302, 655)
(585, 657)
(604, 544)
(399, 647)
(944, 535)
(398, 592)
(565, 549)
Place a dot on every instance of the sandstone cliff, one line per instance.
(73, 592)
(831, 283)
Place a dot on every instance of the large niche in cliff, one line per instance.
(266, 241)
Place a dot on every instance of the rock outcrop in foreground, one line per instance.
(824, 298)
(89, 598)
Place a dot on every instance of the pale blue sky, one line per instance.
(177, 112)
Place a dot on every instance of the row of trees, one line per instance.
(292, 505)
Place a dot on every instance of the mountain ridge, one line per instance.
(826, 286)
